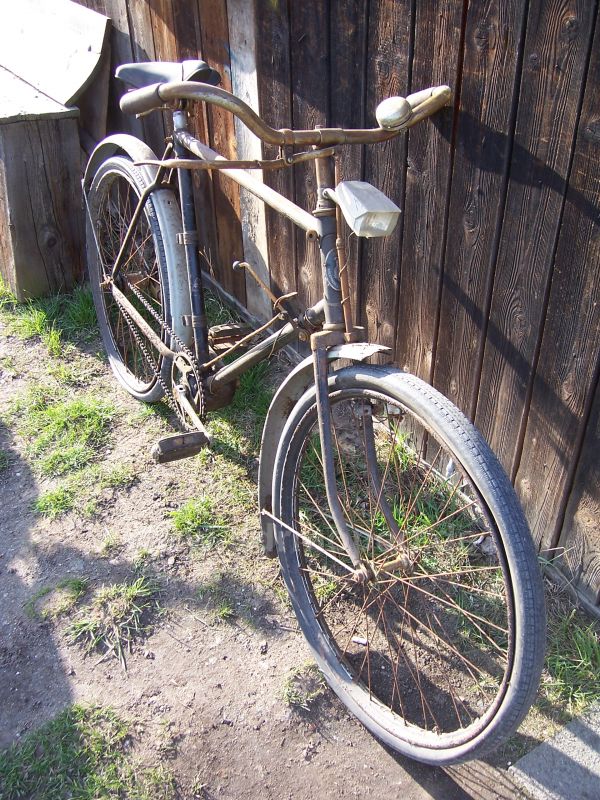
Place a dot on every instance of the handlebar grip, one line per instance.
(140, 100)
(398, 113)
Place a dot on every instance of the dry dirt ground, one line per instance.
(205, 696)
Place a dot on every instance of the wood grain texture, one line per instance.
(56, 47)
(275, 106)
(566, 370)
(142, 40)
(388, 67)
(214, 31)
(41, 215)
(309, 38)
(555, 58)
(488, 91)
(581, 535)
(348, 43)
(435, 61)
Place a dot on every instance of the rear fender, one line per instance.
(286, 397)
(169, 218)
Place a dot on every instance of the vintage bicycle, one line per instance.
(407, 558)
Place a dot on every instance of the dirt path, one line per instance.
(205, 696)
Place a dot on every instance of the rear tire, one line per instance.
(440, 657)
(112, 199)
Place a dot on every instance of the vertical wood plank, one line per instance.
(388, 67)
(564, 381)
(555, 58)
(142, 40)
(488, 93)
(580, 538)
(274, 96)
(437, 55)
(348, 46)
(309, 36)
(215, 48)
(243, 79)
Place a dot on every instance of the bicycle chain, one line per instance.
(169, 397)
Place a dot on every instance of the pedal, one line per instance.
(222, 337)
(180, 445)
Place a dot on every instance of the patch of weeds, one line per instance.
(90, 508)
(63, 433)
(217, 313)
(55, 502)
(52, 318)
(217, 598)
(303, 685)
(196, 521)
(4, 460)
(7, 298)
(120, 476)
(72, 373)
(31, 605)
(80, 754)
(141, 558)
(572, 660)
(115, 617)
(8, 365)
(111, 544)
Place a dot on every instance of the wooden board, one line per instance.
(215, 49)
(274, 97)
(348, 80)
(55, 47)
(554, 61)
(437, 53)
(19, 101)
(566, 370)
(485, 127)
(388, 67)
(242, 44)
(580, 539)
(41, 216)
(309, 51)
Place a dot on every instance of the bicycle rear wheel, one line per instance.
(144, 278)
(439, 654)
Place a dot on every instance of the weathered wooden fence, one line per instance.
(490, 287)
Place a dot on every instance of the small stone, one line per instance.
(264, 647)
(171, 561)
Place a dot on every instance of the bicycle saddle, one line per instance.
(149, 72)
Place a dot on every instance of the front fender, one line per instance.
(286, 397)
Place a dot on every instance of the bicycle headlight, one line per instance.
(366, 210)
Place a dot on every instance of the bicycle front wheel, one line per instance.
(439, 652)
(143, 279)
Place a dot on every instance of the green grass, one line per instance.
(51, 319)
(115, 617)
(31, 605)
(303, 685)
(59, 600)
(82, 754)
(111, 544)
(4, 460)
(197, 521)
(572, 660)
(121, 476)
(55, 502)
(63, 433)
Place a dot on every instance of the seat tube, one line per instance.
(189, 238)
(325, 211)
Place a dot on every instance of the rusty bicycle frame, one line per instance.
(328, 324)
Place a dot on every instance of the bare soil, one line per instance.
(204, 696)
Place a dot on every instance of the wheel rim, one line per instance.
(431, 644)
(139, 279)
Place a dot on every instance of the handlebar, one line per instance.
(394, 115)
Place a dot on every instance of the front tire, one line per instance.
(439, 654)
